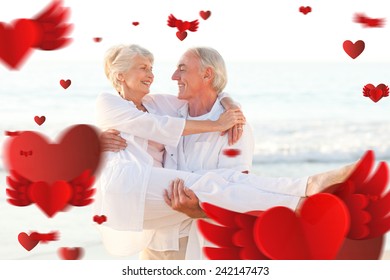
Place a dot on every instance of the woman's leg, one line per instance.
(241, 193)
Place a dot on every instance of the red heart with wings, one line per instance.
(375, 93)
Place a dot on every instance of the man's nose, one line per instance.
(175, 75)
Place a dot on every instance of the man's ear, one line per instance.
(208, 74)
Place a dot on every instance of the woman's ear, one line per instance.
(120, 77)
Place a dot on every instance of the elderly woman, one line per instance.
(131, 183)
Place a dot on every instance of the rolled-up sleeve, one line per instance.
(117, 113)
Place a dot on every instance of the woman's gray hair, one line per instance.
(209, 57)
(119, 59)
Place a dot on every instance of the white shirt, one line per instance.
(199, 152)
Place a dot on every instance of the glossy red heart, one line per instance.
(27, 241)
(205, 14)
(50, 198)
(353, 49)
(17, 40)
(97, 40)
(316, 232)
(66, 253)
(99, 219)
(78, 150)
(305, 10)
(135, 23)
(181, 35)
(40, 120)
(65, 84)
(376, 93)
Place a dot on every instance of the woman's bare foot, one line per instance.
(319, 182)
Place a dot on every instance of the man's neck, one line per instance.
(201, 105)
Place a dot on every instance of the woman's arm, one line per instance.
(235, 132)
(115, 113)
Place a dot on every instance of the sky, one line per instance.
(245, 30)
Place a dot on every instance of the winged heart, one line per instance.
(375, 93)
(52, 175)
(368, 202)
(182, 26)
(360, 207)
(46, 31)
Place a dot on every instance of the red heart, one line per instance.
(97, 40)
(181, 35)
(231, 152)
(66, 253)
(65, 84)
(77, 151)
(28, 242)
(17, 41)
(305, 10)
(99, 219)
(51, 199)
(205, 14)
(135, 23)
(376, 93)
(40, 120)
(353, 49)
(182, 26)
(317, 232)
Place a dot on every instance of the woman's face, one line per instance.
(138, 79)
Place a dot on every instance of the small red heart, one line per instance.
(99, 219)
(65, 84)
(40, 120)
(231, 152)
(205, 14)
(135, 23)
(17, 41)
(51, 198)
(317, 232)
(305, 10)
(66, 253)
(181, 35)
(97, 40)
(27, 241)
(353, 49)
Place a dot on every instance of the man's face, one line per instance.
(189, 76)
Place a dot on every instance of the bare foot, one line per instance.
(317, 183)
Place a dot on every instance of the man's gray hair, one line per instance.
(209, 57)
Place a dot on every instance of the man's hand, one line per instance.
(182, 199)
(111, 141)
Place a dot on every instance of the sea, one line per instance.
(307, 117)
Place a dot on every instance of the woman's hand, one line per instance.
(235, 132)
(230, 118)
